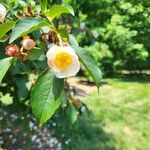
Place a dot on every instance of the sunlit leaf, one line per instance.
(5, 27)
(25, 26)
(57, 10)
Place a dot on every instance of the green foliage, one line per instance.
(45, 98)
(119, 118)
(4, 66)
(30, 35)
(5, 27)
(57, 10)
(116, 33)
(44, 5)
(89, 64)
(72, 114)
(36, 54)
(87, 61)
(25, 26)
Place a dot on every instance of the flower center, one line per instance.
(62, 60)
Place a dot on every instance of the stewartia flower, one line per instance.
(3, 13)
(28, 43)
(12, 50)
(63, 61)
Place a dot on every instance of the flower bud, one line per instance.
(12, 50)
(23, 56)
(3, 13)
(28, 43)
(53, 37)
(45, 37)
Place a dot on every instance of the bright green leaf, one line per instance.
(43, 5)
(4, 38)
(6, 99)
(57, 10)
(25, 26)
(5, 27)
(45, 98)
(4, 66)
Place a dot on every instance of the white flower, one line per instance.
(63, 61)
(3, 13)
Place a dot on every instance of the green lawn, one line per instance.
(119, 118)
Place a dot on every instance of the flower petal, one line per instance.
(72, 68)
(3, 13)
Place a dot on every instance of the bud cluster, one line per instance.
(13, 50)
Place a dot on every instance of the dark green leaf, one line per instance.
(5, 27)
(72, 114)
(45, 98)
(4, 66)
(25, 26)
(57, 10)
(90, 64)
(87, 61)
(64, 33)
(23, 87)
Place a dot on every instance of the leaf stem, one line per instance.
(55, 29)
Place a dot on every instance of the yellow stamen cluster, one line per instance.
(62, 60)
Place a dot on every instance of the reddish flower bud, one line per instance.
(12, 50)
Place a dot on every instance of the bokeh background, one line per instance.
(117, 34)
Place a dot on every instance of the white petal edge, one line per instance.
(3, 12)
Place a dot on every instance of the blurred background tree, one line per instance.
(115, 32)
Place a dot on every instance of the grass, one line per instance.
(120, 118)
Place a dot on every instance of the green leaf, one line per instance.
(4, 66)
(64, 32)
(87, 60)
(23, 87)
(4, 38)
(45, 98)
(90, 64)
(73, 41)
(5, 27)
(6, 99)
(72, 114)
(57, 10)
(43, 5)
(36, 54)
(22, 3)
(25, 26)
